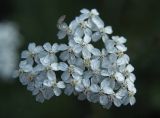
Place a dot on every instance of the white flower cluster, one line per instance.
(9, 44)
(101, 76)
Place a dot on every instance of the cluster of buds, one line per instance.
(101, 76)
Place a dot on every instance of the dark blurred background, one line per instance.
(137, 20)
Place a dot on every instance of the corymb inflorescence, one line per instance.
(99, 75)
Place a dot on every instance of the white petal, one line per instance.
(57, 91)
(78, 40)
(62, 66)
(121, 47)
(104, 73)
(121, 93)
(118, 39)
(51, 75)
(79, 88)
(95, 64)
(108, 30)
(31, 47)
(98, 21)
(107, 90)
(78, 70)
(45, 61)
(87, 39)
(123, 60)
(69, 90)
(103, 99)
(47, 46)
(119, 77)
(77, 49)
(94, 11)
(86, 54)
(132, 77)
(117, 102)
(55, 47)
(73, 25)
(62, 47)
(86, 83)
(96, 36)
(79, 32)
(89, 47)
(84, 11)
(65, 76)
(129, 68)
(47, 83)
(25, 54)
(132, 100)
(55, 66)
(96, 52)
(64, 56)
(94, 88)
(40, 98)
(61, 34)
(61, 84)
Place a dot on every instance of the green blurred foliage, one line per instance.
(137, 20)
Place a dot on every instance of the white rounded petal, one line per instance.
(107, 90)
(117, 102)
(84, 11)
(98, 21)
(62, 66)
(103, 99)
(55, 47)
(65, 76)
(94, 12)
(87, 39)
(104, 73)
(119, 40)
(47, 46)
(55, 66)
(108, 30)
(61, 84)
(40, 98)
(61, 34)
(132, 100)
(85, 53)
(123, 60)
(95, 88)
(86, 82)
(79, 88)
(131, 77)
(31, 47)
(73, 25)
(79, 32)
(78, 70)
(51, 75)
(25, 54)
(96, 52)
(78, 39)
(57, 91)
(95, 64)
(119, 77)
(77, 49)
(62, 47)
(121, 47)
(129, 68)
(64, 55)
(47, 83)
(96, 36)
(121, 93)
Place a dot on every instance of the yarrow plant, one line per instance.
(101, 76)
